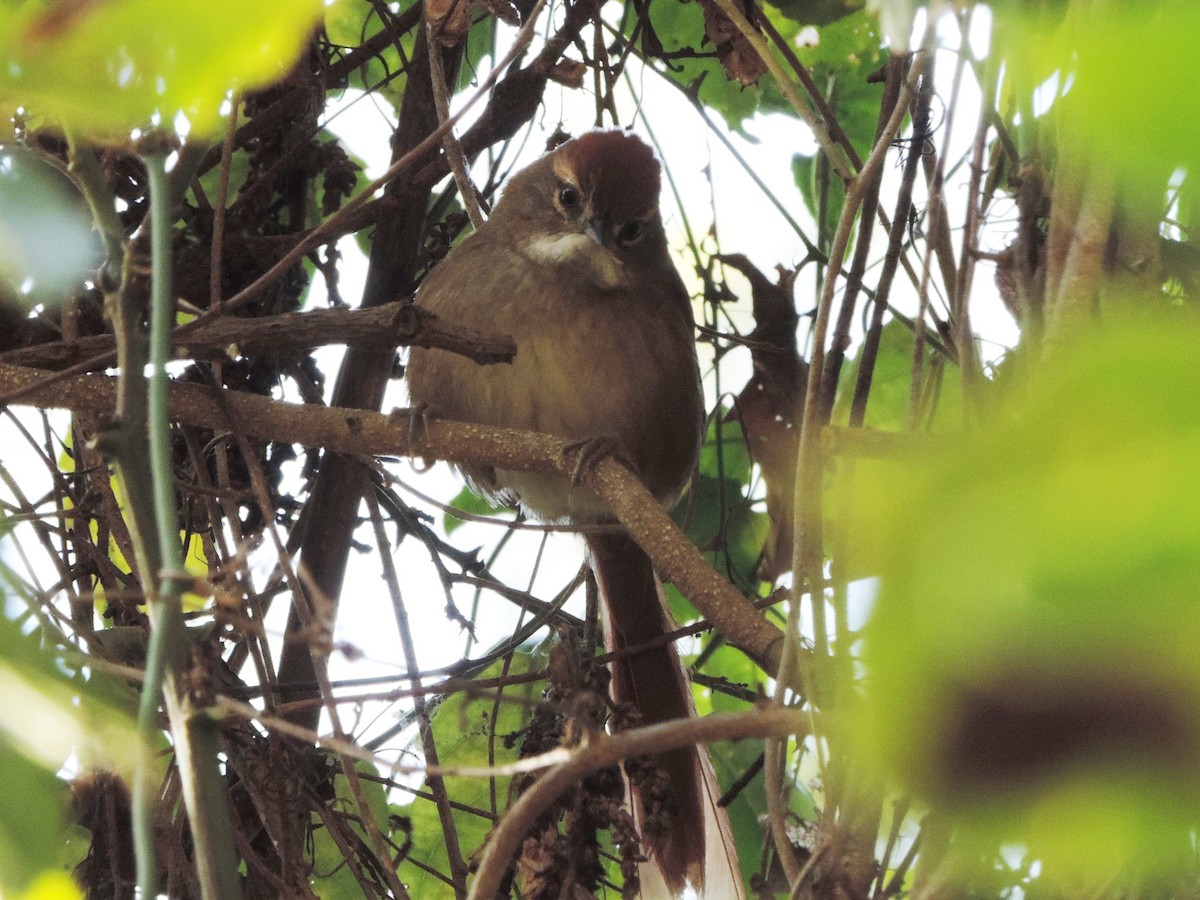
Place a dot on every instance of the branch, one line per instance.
(360, 432)
(383, 327)
(602, 750)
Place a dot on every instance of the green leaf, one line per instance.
(680, 27)
(817, 12)
(849, 44)
(731, 760)
(718, 516)
(239, 171)
(481, 44)
(335, 880)
(724, 453)
(887, 406)
(347, 24)
(804, 172)
(461, 727)
(473, 504)
(845, 53)
(114, 65)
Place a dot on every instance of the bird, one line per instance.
(574, 265)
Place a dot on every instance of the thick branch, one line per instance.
(360, 432)
(383, 327)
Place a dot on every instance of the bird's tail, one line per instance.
(683, 829)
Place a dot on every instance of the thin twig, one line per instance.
(437, 785)
(87, 175)
(228, 706)
(218, 229)
(450, 144)
(896, 236)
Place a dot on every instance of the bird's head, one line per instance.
(592, 205)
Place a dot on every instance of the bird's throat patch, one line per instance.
(598, 264)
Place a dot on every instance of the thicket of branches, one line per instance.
(943, 187)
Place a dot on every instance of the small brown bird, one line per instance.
(573, 265)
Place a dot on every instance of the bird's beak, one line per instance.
(594, 228)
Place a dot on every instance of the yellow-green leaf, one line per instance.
(53, 886)
(113, 65)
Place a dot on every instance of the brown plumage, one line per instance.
(573, 264)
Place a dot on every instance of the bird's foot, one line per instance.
(416, 420)
(590, 452)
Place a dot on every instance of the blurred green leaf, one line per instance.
(1113, 68)
(52, 885)
(113, 65)
(33, 818)
(49, 719)
(1031, 661)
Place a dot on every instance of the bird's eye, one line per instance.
(568, 197)
(629, 232)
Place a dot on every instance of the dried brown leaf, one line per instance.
(568, 73)
(741, 61)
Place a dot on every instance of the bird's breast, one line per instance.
(591, 363)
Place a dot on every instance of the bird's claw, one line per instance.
(589, 453)
(418, 417)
